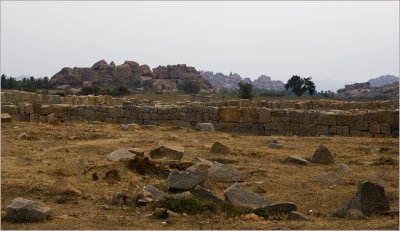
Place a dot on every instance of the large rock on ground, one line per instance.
(237, 195)
(322, 155)
(225, 173)
(370, 198)
(205, 127)
(119, 154)
(5, 118)
(171, 152)
(220, 148)
(185, 180)
(23, 210)
(156, 194)
(64, 187)
(278, 208)
(199, 167)
(202, 193)
(297, 159)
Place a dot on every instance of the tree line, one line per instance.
(26, 84)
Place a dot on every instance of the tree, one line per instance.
(300, 85)
(245, 90)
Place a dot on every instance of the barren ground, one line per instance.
(76, 150)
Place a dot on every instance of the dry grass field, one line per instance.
(75, 151)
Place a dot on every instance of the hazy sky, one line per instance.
(335, 42)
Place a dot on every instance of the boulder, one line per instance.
(278, 208)
(370, 198)
(5, 118)
(220, 148)
(23, 210)
(185, 180)
(202, 193)
(296, 216)
(205, 127)
(297, 159)
(171, 152)
(330, 178)
(199, 167)
(119, 154)
(224, 173)
(322, 155)
(156, 194)
(64, 187)
(143, 198)
(237, 195)
(343, 168)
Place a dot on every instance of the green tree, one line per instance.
(300, 85)
(245, 90)
(189, 87)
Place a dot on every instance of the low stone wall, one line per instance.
(15, 96)
(255, 120)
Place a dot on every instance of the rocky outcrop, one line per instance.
(171, 76)
(265, 82)
(366, 90)
(383, 80)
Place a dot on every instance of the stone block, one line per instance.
(28, 108)
(264, 115)
(43, 119)
(374, 127)
(362, 125)
(370, 116)
(34, 118)
(307, 129)
(326, 119)
(388, 117)
(343, 130)
(348, 120)
(89, 113)
(230, 115)
(10, 109)
(59, 109)
(250, 115)
(385, 128)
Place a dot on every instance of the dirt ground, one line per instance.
(77, 150)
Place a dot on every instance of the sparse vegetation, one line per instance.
(189, 87)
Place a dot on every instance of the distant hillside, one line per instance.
(365, 90)
(230, 82)
(383, 80)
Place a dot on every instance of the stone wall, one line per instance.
(245, 119)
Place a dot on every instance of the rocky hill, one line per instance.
(383, 80)
(132, 74)
(365, 90)
(230, 82)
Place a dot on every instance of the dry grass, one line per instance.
(77, 150)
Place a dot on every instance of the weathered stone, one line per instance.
(156, 194)
(264, 115)
(241, 197)
(369, 198)
(64, 187)
(278, 208)
(184, 194)
(59, 109)
(275, 146)
(205, 127)
(171, 152)
(202, 161)
(119, 154)
(23, 136)
(23, 210)
(250, 115)
(322, 155)
(5, 118)
(296, 216)
(224, 173)
(329, 178)
(355, 214)
(220, 148)
(297, 159)
(183, 181)
(202, 193)
(229, 115)
(199, 167)
(143, 198)
(343, 168)
(374, 127)
(326, 119)
(349, 120)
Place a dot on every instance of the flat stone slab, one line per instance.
(23, 210)
(203, 193)
(237, 195)
(171, 152)
(278, 208)
(224, 173)
(119, 154)
(184, 181)
(297, 159)
(205, 127)
(220, 148)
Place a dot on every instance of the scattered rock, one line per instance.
(224, 173)
(141, 164)
(205, 127)
(293, 215)
(277, 208)
(343, 168)
(220, 148)
(137, 151)
(241, 197)
(119, 154)
(5, 118)
(275, 146)
(369, 198)
(199, 167)
(162, 213)
(121, 198)
(156, 194)
(143, 198)
(355, 214)
(322, 155)
(202, 161)
(23, 136)
(330, 178)
(130, 127)
(185, 194)
(202, 193)
(252, 217)
(171, 152)
(182, 181)
(23, 210)
(54, 122)
(64, 187)
(297, 159)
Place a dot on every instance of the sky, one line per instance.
(334, 42)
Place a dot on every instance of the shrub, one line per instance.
(245, 90)
(189, 87)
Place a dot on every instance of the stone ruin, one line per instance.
(285, 117)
